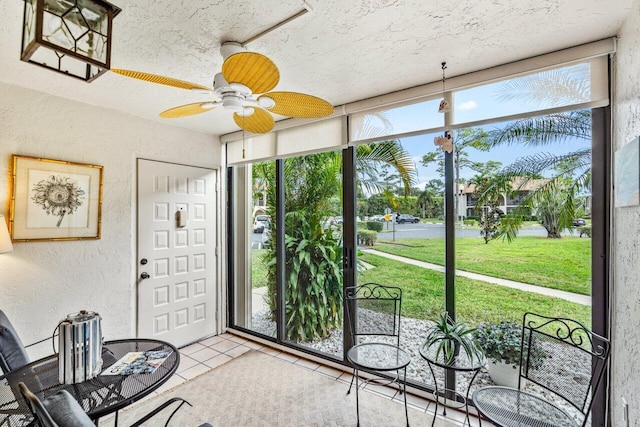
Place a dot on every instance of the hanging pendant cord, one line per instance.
(444, 67)
(243, 133)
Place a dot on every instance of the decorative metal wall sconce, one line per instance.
(72, 37)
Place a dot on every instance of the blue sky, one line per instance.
(479, 103)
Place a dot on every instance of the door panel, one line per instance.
(177, 301)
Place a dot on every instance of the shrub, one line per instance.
(472, 217)
(313, 279)
(469, 222)
(500, 341)
(585, 229)
(361, 224)
(374, 225)
(367, 237)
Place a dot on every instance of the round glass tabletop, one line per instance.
(510, 407)
(378, 356)
(461, 362)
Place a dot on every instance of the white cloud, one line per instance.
(469, 105)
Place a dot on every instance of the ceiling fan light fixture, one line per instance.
(266, 102)
(233, 103)
(239, 87)
(246, 111)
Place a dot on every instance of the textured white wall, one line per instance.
(626, 235)
(41, 282)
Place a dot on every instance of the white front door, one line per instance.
(177, 264)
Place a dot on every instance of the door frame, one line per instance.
(221, 294)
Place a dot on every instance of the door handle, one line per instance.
(144, 275)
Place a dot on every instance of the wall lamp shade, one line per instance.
(5, 240)
(72, 37)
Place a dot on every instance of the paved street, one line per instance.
(421, 231)
(426, 230)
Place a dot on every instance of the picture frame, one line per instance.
(54, 200)
(627, 174)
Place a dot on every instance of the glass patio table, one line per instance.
(99, 396)
(461, 363)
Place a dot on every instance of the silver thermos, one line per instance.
(80, 347)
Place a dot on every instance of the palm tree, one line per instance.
(463, 140)
(569, 173)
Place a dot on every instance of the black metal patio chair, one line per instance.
(374, 312)
(559, 356)
(12, 352)
(61, 410)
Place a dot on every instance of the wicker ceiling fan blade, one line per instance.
(188, 110)
(161, 80)
(251, 69)
(294, 104)
(258, 122)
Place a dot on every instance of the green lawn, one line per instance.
(563, 264)
(258, 269)
(476, 302)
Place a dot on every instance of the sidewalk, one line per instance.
(568, 296)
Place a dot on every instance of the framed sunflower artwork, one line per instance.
(54, 200)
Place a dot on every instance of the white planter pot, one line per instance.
(503, 374)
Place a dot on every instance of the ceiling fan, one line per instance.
(242, 87)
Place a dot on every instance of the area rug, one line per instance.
(260, 390)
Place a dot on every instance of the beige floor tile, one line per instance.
(194, 371)
(191, 348)
(237, 351)
(416, 402)
(270, 351)
(186, 362)
(288, 357)
(331, 372)
(387, 391)
(238, 339)
(226, 336)
(211, 341)
(224, 346)
(217, 361)
(307, 364)
(205, 354)
(254, 345)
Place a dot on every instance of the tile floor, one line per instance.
(198, 358)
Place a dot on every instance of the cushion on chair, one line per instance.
(66, 411)
(12, 351)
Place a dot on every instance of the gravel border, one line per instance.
(412, 337)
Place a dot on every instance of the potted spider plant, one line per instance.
(449, 337)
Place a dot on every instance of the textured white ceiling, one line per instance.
(342, 51)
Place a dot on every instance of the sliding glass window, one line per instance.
(253, 253)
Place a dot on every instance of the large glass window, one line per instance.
(313, 251)
(400, 213)
(254, 255)
(517, 225)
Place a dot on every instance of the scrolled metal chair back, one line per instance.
(563, 356)
(375, 310)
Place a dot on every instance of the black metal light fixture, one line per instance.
(72, 37)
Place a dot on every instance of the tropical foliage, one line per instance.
(313, 251)
(568, 174)
(449, 337)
